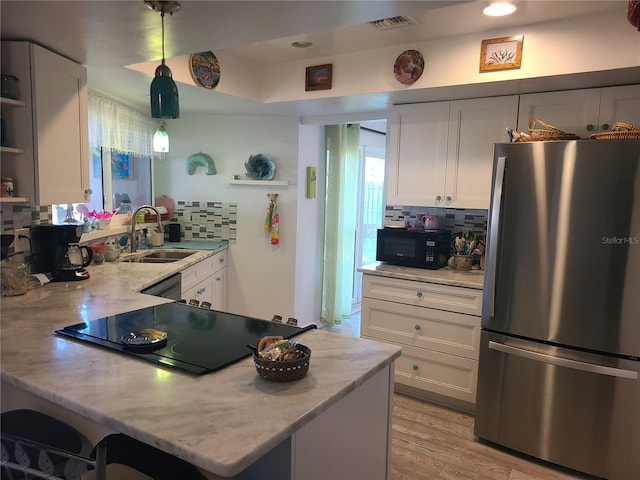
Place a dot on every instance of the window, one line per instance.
(120, 158)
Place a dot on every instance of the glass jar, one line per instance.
(13, 277)
(99, 253)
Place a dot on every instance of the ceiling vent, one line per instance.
(393, 22)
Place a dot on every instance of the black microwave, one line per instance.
(421, 248)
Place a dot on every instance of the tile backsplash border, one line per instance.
(456, 220)
(202, 220)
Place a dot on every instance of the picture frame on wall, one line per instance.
(318, 77)
(503, 53)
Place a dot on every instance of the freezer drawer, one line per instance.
(571, 408)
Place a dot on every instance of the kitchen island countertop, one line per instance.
(443, 276)
(221, 422)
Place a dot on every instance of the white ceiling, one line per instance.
(106, 35)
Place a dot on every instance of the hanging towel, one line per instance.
(275, 220)
(272, 219)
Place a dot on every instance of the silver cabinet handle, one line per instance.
(563, 362)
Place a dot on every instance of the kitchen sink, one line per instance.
(157, 256)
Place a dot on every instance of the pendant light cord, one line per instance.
(162, 17)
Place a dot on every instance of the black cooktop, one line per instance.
(198, 340)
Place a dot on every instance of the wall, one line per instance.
(261, 278)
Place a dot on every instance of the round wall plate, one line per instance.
(408, 67)
(205, 69)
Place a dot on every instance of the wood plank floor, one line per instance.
(431, 442)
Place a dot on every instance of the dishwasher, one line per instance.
(170, 287)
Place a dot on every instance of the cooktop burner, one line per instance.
(198, 340)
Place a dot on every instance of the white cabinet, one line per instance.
(441, 154)
(438, 328)
(582, 112)
(206, 281)
(52, 129)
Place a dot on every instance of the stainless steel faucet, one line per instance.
(134, 243)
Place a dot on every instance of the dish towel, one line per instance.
(272, 219)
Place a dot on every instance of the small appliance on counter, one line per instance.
(422, 249)
(57, 254)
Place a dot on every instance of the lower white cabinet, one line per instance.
(206, 281)
(438, 328)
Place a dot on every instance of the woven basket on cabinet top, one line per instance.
(540, 131)
(619, 130)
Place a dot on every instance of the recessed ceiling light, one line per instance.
(499, 9)
(302, 44)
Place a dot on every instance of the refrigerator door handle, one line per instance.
(563, 362)
(492, 240)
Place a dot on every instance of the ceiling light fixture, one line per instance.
(161, 139)
(164, 92)
(302, 44)
(499, 9)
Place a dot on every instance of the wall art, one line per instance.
(318, 77)
(504, 53)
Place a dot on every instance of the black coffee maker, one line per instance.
(56, 252)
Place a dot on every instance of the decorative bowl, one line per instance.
(283, 371)
(103, 223)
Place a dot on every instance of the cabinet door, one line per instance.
(220, 290)
(619, 104)
(573, 111)
(203, 291)
(474, 127)
(60, 124)
(416, 154)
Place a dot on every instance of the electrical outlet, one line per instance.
(22, 240)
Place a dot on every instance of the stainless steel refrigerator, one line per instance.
(560, 344)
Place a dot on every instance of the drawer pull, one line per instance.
(417, 327)
(419, 294)
(201, 291)
(415, 367)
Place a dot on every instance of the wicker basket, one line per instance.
(541, 131)
(283, 371)
(152, 217)
(619, 130)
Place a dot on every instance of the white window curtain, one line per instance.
(114, 126)
(342, 143)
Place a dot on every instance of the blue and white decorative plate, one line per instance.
(260, 167)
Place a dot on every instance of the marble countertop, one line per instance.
(221, 422)
(443, 276)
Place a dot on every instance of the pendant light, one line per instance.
(164, 92)
(161, 139)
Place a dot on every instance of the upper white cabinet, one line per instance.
(441, 154)
(52, 130)
(582, 112)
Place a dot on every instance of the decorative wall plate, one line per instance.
(200, 159)
(260, 167)
(205, 69)
(408, 67)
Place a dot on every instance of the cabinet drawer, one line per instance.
(447, 375)
(423, 294)
(406, 325)
(201, 270)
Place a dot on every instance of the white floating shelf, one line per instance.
(264, 183)
(12, 102)
(11, 150)
(14, 200)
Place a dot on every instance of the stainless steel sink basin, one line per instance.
(157, 256)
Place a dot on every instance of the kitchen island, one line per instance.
(334, 423)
